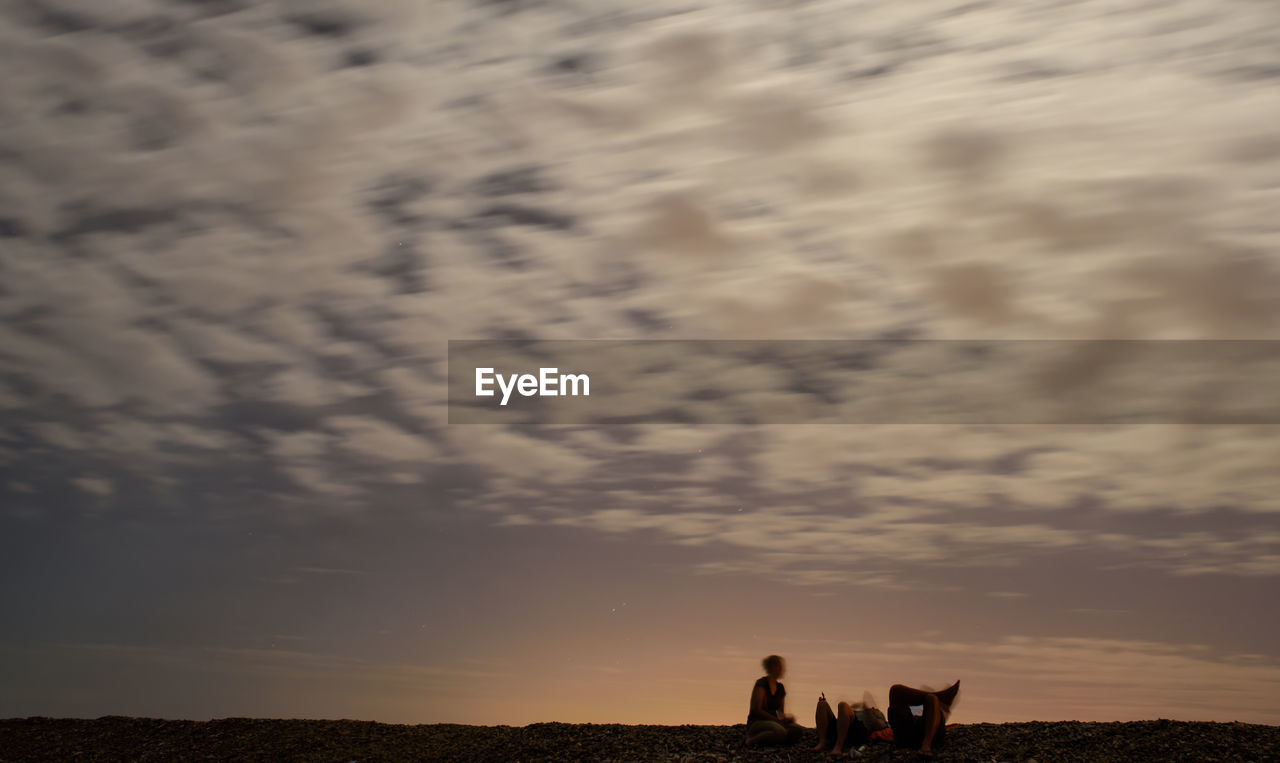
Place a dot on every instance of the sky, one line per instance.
(236, 238)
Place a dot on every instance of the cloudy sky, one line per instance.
(236, 238)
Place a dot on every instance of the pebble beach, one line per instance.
(114, 738)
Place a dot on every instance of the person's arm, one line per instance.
(783, 715)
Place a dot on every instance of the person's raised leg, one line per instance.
(936, 704)
(936, 715)
(844, 717)
(932, 719)
(824, 719)
(948, 695)
(901, 698)
(901, 721)
(905, 695)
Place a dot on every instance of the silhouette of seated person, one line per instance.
(767, 721)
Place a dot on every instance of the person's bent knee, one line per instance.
(896, 691)
(770, 732)
(845, 708)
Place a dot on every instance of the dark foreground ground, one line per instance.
(146, 739)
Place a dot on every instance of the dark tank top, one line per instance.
(772, 702)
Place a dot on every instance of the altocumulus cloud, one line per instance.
(237, 235)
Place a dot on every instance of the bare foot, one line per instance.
(819, 748)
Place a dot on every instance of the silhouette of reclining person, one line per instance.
(929, 729)
(844, 728)
(849, 726)
(767, 722)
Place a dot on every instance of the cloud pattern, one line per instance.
(235, 237)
